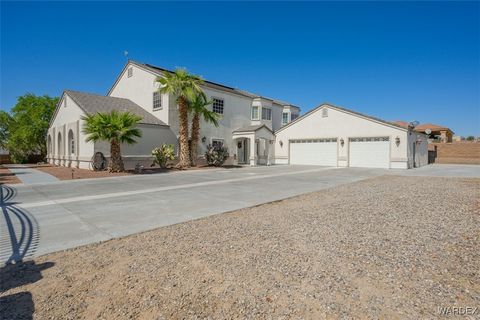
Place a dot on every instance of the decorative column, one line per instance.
(253, 151)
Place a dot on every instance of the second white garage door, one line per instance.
(372, 152)
(321, 152)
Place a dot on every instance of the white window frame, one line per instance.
(284, 121)
(157, 97)
(65, 102)
(215, 101)
(267, 113)
(130, 72)
(258, 113)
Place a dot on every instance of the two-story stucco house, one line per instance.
(246, 126)
(257, 130)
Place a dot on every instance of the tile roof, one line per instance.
(93, 103)
(431, 126)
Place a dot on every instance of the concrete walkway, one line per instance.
(42, 218)
(29, 175)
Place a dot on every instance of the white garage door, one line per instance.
(321, 152)
(370, 152)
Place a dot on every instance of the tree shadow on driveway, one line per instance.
(19, 237)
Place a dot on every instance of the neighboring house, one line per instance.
(257, 130)
(440, 133)
(437, 133)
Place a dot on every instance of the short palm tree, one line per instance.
(199, 108)
(185, 87)
(116, 128)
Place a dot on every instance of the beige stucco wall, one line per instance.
(341, 125)
(237, 108)
(69, 118)
(140, 88)
(141, 152)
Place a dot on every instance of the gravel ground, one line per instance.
(389, 247)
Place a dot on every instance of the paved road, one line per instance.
(29, 175)
(42, 218)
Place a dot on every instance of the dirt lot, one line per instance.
(64, 173)
(7, 177)
(388, 248)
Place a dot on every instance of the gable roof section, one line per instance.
(159, 71)
(93, 103)
(358, 114)
(252, 128)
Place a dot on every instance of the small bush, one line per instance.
(163, 154)
(216, 156)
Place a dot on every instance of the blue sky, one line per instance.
(394, 60)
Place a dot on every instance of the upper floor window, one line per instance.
(325, 112)
(293, 116)
(285, 118)
(157, 100)
(65, 102)
(266, 113)
(255, 113)
(130, 72)
(217, 105)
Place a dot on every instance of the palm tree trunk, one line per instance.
(195, 136)
(183, 132)
(116, 162)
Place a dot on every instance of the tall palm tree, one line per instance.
(199, 108)
(116, 128)
(184, 87)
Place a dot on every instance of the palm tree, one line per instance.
(184, 87)
(199, 107)
(116, 128)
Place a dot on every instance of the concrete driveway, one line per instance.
(42, 218)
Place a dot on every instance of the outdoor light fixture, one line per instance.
(342, 142)
(281, 143)
(204, 139)
(397, 141)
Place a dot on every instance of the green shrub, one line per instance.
(216, 156)
(163, 154)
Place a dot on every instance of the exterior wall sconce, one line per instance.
(397, 141)
(342, 142)
(281, 143)
(204, 139)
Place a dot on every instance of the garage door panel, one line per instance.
(322, 152)
(370, 152)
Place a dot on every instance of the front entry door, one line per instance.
(242, 151)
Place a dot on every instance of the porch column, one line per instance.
(253, 151)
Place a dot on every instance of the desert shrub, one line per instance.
(216, 155)
(162, 155)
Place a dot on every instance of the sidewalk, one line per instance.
(29, 175)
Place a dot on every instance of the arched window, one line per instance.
(59, 144)
(71, 142)
(49, 145)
